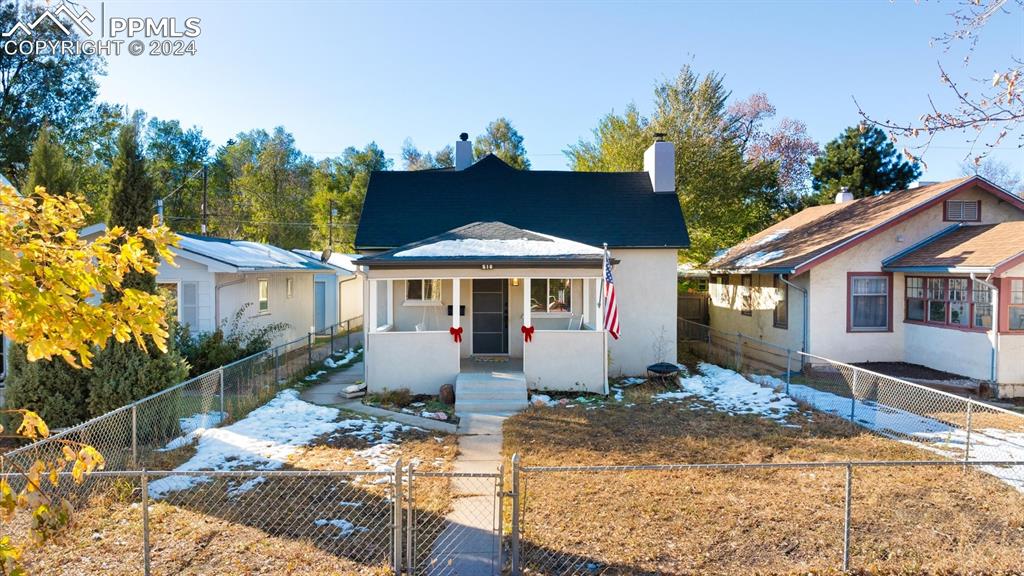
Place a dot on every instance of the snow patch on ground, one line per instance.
(345, 528)
(730, 392)
(263, 440)
(986, 444)
(192, 426)
(314, 376)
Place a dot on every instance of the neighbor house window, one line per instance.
(170, 290)
(1016, 308)
(289, 287)
(551, 295)
(962, 211)
(949, 302)
(423, 290)
(780, 317)
(869, 303)
(188, 303)
(747, 296)
(264, 295)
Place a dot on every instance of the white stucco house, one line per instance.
(932, 275)
(338, 292)
(213, 278)
(487, 277)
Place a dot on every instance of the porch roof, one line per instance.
(489, 243)
(988, 248)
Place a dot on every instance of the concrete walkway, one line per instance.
(469, 544)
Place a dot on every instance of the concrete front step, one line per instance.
(491, 392)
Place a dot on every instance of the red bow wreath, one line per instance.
(527, 333)
(456, 333)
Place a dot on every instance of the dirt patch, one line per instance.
(904, 519)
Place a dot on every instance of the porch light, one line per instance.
(515, 281)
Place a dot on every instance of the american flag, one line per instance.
(611, 308)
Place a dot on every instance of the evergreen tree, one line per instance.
(52, 388)
(504, 141)
(124, 372)
(863, 160)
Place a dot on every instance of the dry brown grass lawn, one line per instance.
(905, 520)
(269, 530)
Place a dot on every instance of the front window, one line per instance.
(780, 317)
(1016, 309)
(550, 295)
(423, 290)
(869, 303)
(949, 301)
(264, 295)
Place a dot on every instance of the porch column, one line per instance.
(526, 302)
(391, 303)
(586, 300)
(371, 319)
(599, 321)
(456, 298)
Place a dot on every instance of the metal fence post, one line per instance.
(309, 348)
(223, 415)
(967, 445)
(348, 335)
(332, 339)
(277, 365)
(846, 518)
(501, 517)
(789, 369)
(739, 351)
(517, 567)
(410, 554)
(396, 518)
(853, 398)
(145, 524)
(135, 436)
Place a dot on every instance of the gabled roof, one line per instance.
(976, 248)
(245, 255)
(816, 234)
(489, 243)
(617, 208)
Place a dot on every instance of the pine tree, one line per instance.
(864, 161)
(124, 373)
(52, 388)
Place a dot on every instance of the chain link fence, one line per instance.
(142, 433)
(802, 517)
(952, 426)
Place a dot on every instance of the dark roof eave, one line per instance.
(420, 263)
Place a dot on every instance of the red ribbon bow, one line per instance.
(527, 333)
(456, 333)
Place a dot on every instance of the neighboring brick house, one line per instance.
(932, 275)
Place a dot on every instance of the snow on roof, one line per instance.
(245, 254)
(475, 247)
(755, 259)
(344, 261)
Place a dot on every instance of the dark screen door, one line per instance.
(490, 316)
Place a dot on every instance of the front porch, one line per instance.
(483, 323)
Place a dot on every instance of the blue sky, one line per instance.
(339, 74)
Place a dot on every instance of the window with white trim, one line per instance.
(747, 295)
(963, 210)
(423, 291)
(289, 287)
(264, 295)
(551, 295)
(188, 303)
(869, 303)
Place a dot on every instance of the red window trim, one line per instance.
(945, 210)
(849, 302)
(970, 327)
(1004, 305)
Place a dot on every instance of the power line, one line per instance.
(261, 222)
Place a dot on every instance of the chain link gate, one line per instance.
(453, 523)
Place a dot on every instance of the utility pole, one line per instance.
(330, 226)
(204, 199)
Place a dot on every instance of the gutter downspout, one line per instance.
(994, 373)
(216, 298)
(806, 299)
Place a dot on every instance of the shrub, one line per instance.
(232, 340)
(52, 388)
(124, 373)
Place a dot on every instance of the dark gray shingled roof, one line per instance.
(619, 208)
(512, 246)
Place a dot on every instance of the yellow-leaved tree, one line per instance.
(50, 282)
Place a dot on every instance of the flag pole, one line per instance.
(604, 328)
